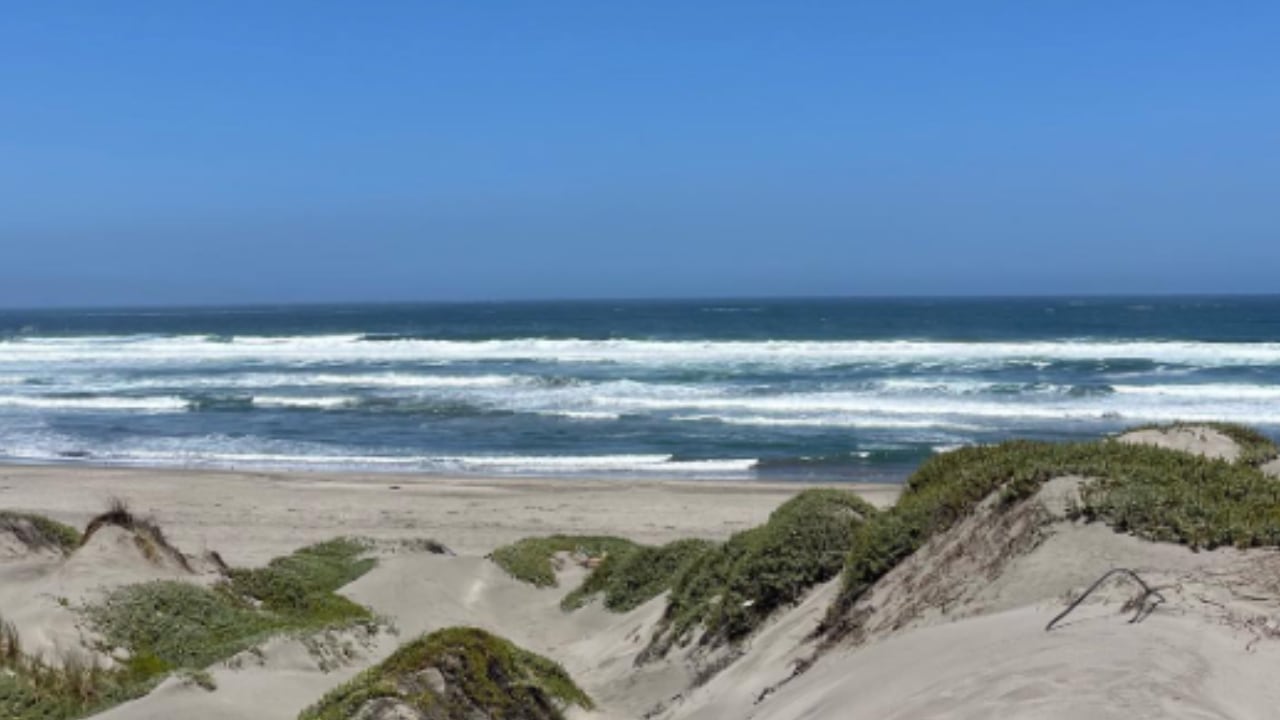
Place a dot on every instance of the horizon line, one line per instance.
(634, 299)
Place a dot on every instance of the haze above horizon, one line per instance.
(166, 154)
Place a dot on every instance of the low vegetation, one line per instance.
(170, 626)
(1154, 493)
(629, 579)
(31, 688)
(182, 625)
(299, 588)
(531, 559)
(456, 674)
(731, 589)
(38, 532)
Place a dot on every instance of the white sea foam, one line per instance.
(500, 464)
(596, 463)
(848, 421)
(1203, 391)
(317, 403)
(581, 414)
(395, 380)
(351, 348)
(964, 386)
(145, 404)
(257, 380)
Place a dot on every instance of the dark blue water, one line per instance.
(837, 389)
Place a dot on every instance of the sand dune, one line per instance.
(956, 630)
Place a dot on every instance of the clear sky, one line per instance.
(213, 152)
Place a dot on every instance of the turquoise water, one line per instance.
(833, 389)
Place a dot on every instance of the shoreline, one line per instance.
(251, 516)
(893, 475)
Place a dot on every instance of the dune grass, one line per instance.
(1154, 493)
(38, 532)
(731, 589)
(530, 559)
(629, 579)
(32, 689)
(457, 674)
(147, 534)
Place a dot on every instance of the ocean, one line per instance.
(856, 389)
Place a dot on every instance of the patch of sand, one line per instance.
(1196, 439)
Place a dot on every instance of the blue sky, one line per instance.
(184, 152)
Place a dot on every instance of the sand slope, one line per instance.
(1005, 666)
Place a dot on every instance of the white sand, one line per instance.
(1005, 666)
(1197, 439)
(955, 631)
(251, 517)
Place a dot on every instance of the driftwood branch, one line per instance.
(1144, 608)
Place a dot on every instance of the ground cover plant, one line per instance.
(75, 686)
(1154, 493)
(173, 626)
(531, 559)
(183, 625)
(456, 674)
(630, 578)
(731, 589)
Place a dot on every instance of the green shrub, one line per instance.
(530, 559)
(1151, 492)
(169, 625)
(482, 675)
(630, 579)
(731, 589)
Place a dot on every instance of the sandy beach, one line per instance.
(251, 517)
(954, 629)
